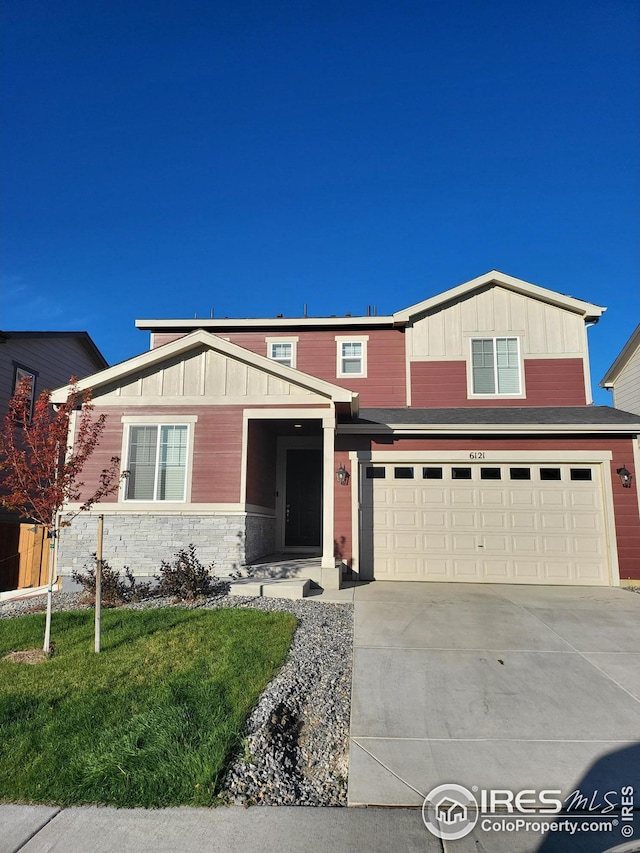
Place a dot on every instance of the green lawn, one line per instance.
(150, 721)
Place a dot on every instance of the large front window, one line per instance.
(495, 365)
(157, 462)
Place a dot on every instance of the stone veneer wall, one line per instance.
(141, 541)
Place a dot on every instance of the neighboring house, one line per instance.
(454, 440)
(47, 359)
(623, 377)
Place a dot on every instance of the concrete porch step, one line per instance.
(292, 588)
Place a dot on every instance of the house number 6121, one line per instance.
(476, 454)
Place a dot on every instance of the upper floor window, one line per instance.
(352, 356)
(495, 366)
(20, 374)
(282, 350)
(157, 462)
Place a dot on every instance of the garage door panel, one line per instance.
(403, 496)
(495, 570)
(469, 570)
(585, 521)
(587, 546)
(583, 500)
(557, 570)
(555, 521)
(555, 499)
(461, 520)
(493, 497)
(587, 571)
(524, 544)
(464, 542)
(407, 542)
(463, 497)
(553, 546)
(526, 568)
(535, 530)
(523, 520)
(495, 544)
(518, 497)
(405, 518)
(434, 520)
(435, 543)
(438, 568)
(434, 496)
(493, 520)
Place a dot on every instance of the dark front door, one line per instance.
(303, 502)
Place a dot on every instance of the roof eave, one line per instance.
(265, 323)
(498, 429)
(621, 361)
(589, 311)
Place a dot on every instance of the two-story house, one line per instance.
(455, 440)
(46, 359)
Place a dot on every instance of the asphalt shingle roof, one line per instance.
(501, 415)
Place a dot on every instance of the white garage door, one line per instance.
(507, 523)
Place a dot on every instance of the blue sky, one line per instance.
(160, 159)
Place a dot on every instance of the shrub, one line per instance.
(114, 590)
(187, 578)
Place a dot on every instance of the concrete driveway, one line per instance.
(510, 687)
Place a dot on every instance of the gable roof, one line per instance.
(622, 360)
(494, 277)
(198, 339)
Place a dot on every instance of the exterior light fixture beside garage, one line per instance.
(625, 476)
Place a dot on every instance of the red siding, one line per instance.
(261, 465)
(625, 501)
(343, 540)
(217, 449)
(548, 382)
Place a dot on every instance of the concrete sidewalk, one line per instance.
(285, 829)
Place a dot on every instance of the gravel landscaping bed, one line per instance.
(296, 744)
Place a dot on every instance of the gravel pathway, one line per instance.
(296, 744)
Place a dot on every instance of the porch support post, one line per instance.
(330, 574)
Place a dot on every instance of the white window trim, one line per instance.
(158, 421)
(521, 394)
(283, 340)
(351, 339)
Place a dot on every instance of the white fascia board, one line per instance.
(265, 323)
(203, 338)
(626, 352)
(587, 309)
(489, 429)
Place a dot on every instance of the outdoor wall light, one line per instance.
(625, 477)
(343, 475)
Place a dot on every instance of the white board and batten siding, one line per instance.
(545, 330)
(626, 392)
(205, 375)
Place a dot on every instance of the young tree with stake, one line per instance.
(41, 462)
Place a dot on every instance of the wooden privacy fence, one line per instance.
(24, 556)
